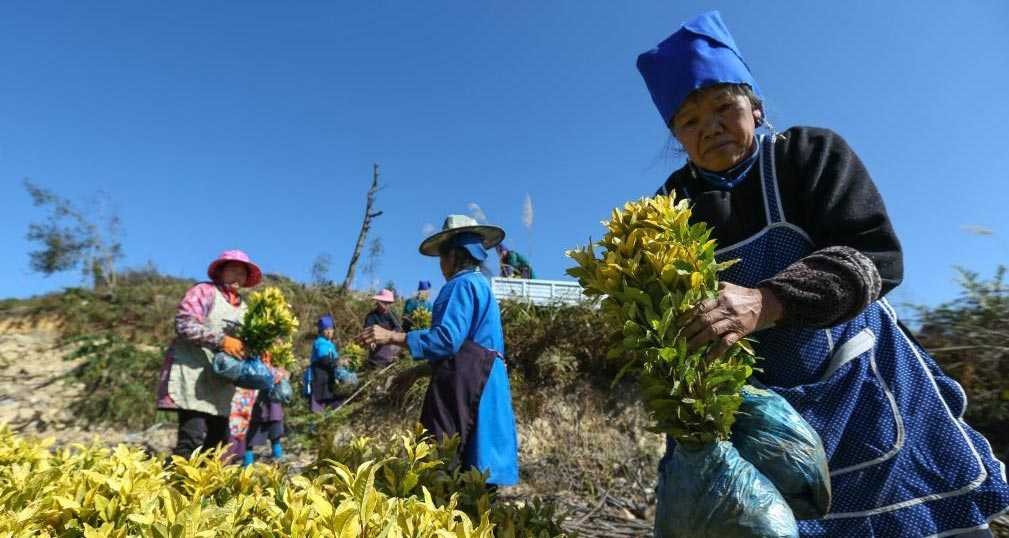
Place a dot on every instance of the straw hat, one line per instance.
(456, 224)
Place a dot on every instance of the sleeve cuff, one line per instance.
(413, 343)
(830, 286)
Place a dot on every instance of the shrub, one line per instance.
(969, 338)
(120, 380)
(96, 491)
(546, 344)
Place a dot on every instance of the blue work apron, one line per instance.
(902, 461)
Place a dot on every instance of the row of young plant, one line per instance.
(407, 486)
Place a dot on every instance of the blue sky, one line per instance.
(255, 124)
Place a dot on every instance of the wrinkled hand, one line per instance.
(737, 312)
(233, 346)
(377, 336)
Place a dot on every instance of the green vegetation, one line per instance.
(969, 338)
(409, 486)
(655, 267)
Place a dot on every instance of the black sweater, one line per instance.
(825, 190)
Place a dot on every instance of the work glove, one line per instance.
(233, 346)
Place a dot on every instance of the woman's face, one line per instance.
(716, 127)
(233, 274)
(380, 306)
(328, 333)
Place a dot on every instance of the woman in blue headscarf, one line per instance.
(417, 302)
(469, 393)
(818, 256)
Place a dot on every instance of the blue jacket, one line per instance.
(322, 366)
(466, 309)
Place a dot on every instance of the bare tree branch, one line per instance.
(365, 227)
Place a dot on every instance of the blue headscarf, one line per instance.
(424, 285)
(473, 243)
(701, 53)
(325, 322)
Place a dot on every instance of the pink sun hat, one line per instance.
(385, 296)
(255, 274)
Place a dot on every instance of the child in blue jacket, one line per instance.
(327, 370)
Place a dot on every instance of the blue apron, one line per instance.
(902, 460)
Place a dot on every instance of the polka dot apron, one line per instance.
(902, 461)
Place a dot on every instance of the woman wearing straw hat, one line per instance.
(188, 385)
(818, 253)
(382, 316)
(469, 393)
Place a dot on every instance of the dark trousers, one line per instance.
(198, 429)
(318, 406)
(260, 432)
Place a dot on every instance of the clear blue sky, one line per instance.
(254, 124)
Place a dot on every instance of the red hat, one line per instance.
(255, 275)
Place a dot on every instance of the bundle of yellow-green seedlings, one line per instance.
(94, 491)
(355, 355)
(654, 267)
(269, 326)
(421, 318)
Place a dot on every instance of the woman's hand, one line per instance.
(737, 312)
(376, 336)
(233, 346)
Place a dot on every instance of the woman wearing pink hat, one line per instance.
(188, 386)
(381, 315)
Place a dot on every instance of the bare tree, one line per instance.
(69, 239)
(369, 215)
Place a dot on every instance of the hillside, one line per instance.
(78, 365)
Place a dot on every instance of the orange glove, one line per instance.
(233, 346)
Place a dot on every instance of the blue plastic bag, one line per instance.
(711, 491)
(773, 436)
(282, 392)
(345, 383)
(248, 373)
